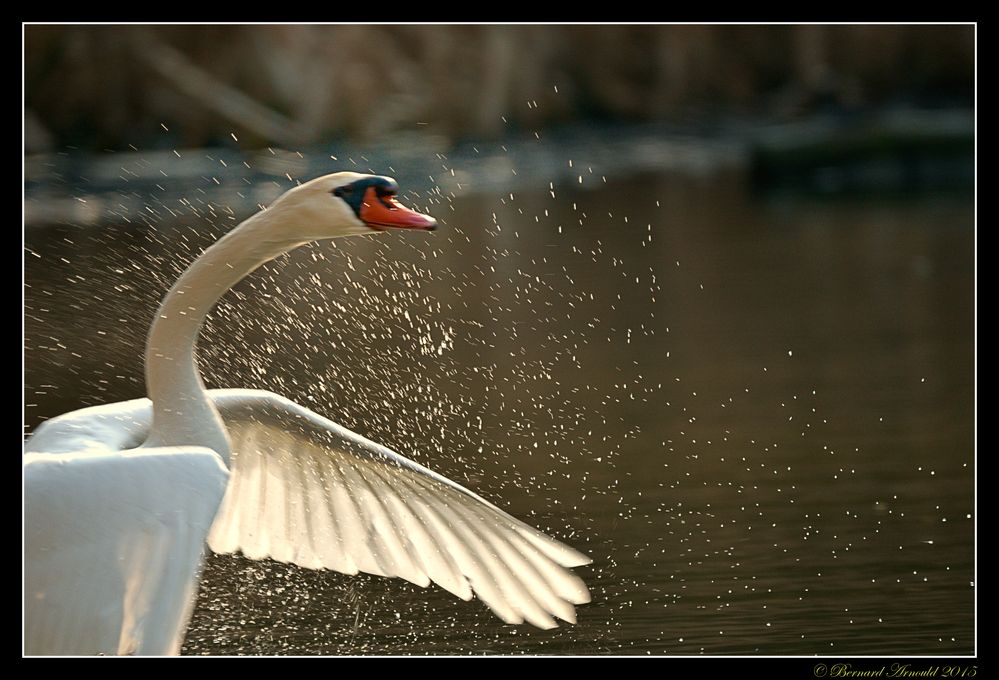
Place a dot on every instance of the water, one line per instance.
(756, 415)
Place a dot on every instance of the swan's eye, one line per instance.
(386, 197)
(343, 192)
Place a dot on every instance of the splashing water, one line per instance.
(734, 407)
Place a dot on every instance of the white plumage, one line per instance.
(112, 547)
(120, 498)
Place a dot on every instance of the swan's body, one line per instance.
(120, 498)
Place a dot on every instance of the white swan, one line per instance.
(119, 499)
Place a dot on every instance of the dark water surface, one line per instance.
(757, 416)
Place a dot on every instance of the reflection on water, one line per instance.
(756, 416)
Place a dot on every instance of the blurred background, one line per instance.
(702, 305)
(102, 87)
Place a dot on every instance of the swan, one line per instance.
(120, 499)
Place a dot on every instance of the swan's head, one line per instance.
(347, 203)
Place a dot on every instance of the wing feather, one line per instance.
(360, 539)
(308, 491)
(430, 550)
(538, 596)
(467, 552)
(275, 521)
(326, 542)
(303, 542)
(114, 543)
(383, 535)
(511, 581)
(562, 582)
(253, 528)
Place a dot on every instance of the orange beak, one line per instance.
(385, 212)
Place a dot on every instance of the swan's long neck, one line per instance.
(183, 413)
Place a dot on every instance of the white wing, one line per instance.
(307, 491)
(113, 543)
